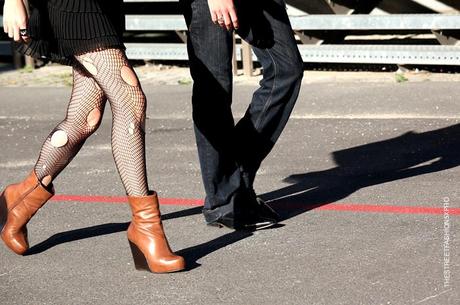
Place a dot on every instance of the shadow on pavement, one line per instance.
(408, 155)
(99, 230)
(78, 234)
(193, 254)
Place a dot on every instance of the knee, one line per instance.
(139, 104)
(293, 71)
(299, 71)
(137, 112)
(60, 136)
(77, 128)
(87, 125)
(93, 120)
(212, 77)
(138, 97)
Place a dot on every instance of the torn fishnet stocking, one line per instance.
(83, 117)
(112, 72)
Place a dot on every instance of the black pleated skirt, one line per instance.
(60, 29)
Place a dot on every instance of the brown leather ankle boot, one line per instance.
(147, 239)
(18, 203)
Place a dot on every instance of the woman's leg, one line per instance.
(20, 201)
(111, 70)
(83, 117)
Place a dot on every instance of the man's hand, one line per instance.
(223, 13)
(15, 19)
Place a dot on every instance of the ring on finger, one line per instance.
(23, 32)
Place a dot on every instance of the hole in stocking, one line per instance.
(47, 180)
(87, 63)
(131, 128)
(93, 117)
(59, 138)
(127, 74)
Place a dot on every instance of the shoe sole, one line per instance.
(220, 225)
(248, 227)
(260, 226)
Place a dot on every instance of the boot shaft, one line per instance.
(147, 239)
(27, 197)
(145, 209)
(18, 203)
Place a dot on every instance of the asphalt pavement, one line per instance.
(365, 177)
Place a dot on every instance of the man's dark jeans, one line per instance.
(230, 154)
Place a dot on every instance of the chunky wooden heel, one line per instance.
(139, 258)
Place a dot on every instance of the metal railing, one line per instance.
(329, 31)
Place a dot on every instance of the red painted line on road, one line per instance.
(366, 208)
(388, 209)
(123, 199)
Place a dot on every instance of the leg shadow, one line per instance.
(78, 234)
(193, 254)
(99, 230)
(408, 155)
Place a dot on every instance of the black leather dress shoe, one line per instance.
(223, 221)
(251, 223)
(258, 222)
(252, 214)
(266, 211)
(258, 215)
